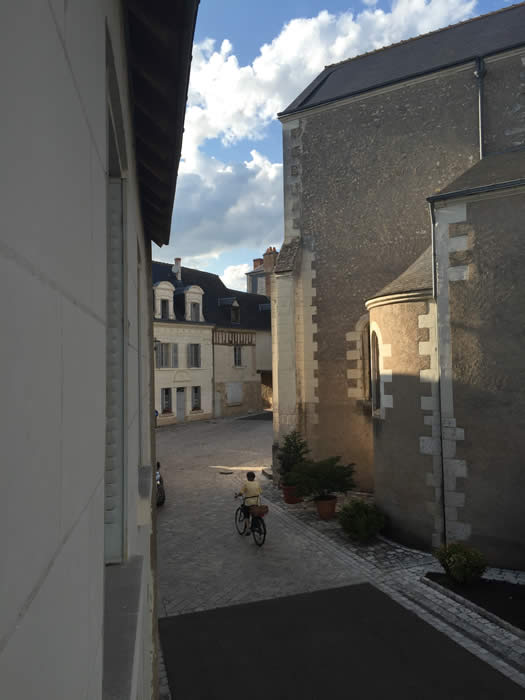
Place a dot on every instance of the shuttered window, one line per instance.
(194, 355)
(237, 356)
(195, 398)
(195, 311)
(174, 355)
(166, 400)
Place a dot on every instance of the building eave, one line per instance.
(400, 298)
(159, 39)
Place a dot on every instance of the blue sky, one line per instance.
(228, 206)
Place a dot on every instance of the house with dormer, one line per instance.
(212, 346)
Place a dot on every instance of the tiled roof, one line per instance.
(252, 317)
(460, 43)
(493, 172)
(287, 256)
(418, 277)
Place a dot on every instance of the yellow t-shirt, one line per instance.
(251, 492)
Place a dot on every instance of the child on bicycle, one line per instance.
(251, 492)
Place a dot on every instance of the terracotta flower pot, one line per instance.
(290, 494)
(326, 507)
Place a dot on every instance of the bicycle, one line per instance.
(258, 524)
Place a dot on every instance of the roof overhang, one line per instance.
(159, 39)
(400, 298)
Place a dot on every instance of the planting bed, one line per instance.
(506, 600)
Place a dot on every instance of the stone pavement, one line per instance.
(203, 563)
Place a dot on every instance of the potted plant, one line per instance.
(322, 480)
(292, 453)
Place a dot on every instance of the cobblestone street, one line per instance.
(204, 564)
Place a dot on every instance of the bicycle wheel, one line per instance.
(258, 531)
(240, 522)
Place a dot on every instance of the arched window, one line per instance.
(376, 375)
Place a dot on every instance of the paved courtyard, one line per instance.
(205, 565)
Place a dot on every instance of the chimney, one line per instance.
(176, 269)
(270, 259)
(257, 262)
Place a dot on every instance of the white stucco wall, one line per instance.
(53, 306)
(263, 353)
(225, 369)
(184, 376)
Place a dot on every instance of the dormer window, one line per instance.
(163, 301)
(235, 314)
(195, 311)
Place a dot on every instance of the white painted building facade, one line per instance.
(77, 589)
(212, 347)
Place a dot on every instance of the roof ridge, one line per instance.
(421, 36)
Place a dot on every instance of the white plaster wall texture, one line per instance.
(263, 350)
(445, 215)
(225, 369)
(184, 376)
(53, 267)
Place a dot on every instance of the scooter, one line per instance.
(161, 492)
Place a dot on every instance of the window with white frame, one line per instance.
(164, 309)
(195, 398)
(235, 314)
(194, 355)
(237, 355)
(166, 355)
(166, 400)
(195, 311)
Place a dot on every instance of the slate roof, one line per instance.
(252, 317)
(499, 171)
(287, 256)
(417, 277)
(460, 43)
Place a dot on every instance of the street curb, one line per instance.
(475, 608)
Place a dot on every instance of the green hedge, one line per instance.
(361, 520)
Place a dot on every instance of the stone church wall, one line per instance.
(361, 173)
(403, 436)
(483, 403)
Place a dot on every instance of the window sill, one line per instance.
(238, 403)
(197, 410)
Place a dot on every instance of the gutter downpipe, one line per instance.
(434, 296)
(480, 74)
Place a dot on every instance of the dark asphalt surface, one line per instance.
(351, 642)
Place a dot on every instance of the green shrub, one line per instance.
(293, 451)
(322, 479)
(361, 520)
(462, 563)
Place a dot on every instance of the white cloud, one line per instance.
(220, 206)
(235, 102)
(234, 276)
